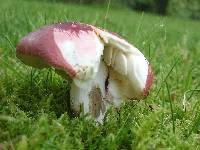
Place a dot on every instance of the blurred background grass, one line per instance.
(180, 8)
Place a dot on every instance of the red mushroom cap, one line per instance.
(64, 46)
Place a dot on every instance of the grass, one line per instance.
(34, 104)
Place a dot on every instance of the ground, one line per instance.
(34, 104)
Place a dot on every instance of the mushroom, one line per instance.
(104, 68)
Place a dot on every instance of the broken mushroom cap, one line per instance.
(77, 49)
(134, 71)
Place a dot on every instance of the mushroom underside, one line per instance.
(109, 87)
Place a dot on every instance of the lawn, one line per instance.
(34, 104)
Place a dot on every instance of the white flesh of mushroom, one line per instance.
(91, 94)
(120, 61)
(126, 60)
(85, 65)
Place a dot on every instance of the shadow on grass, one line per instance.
(43, 91)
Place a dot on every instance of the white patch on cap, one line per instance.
(86, 65)
(67, 50)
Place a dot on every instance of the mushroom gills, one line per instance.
(137, 73)
(107, 54)
(116, 59)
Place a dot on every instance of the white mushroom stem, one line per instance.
(91, 94)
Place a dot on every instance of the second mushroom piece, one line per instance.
(105, 68)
